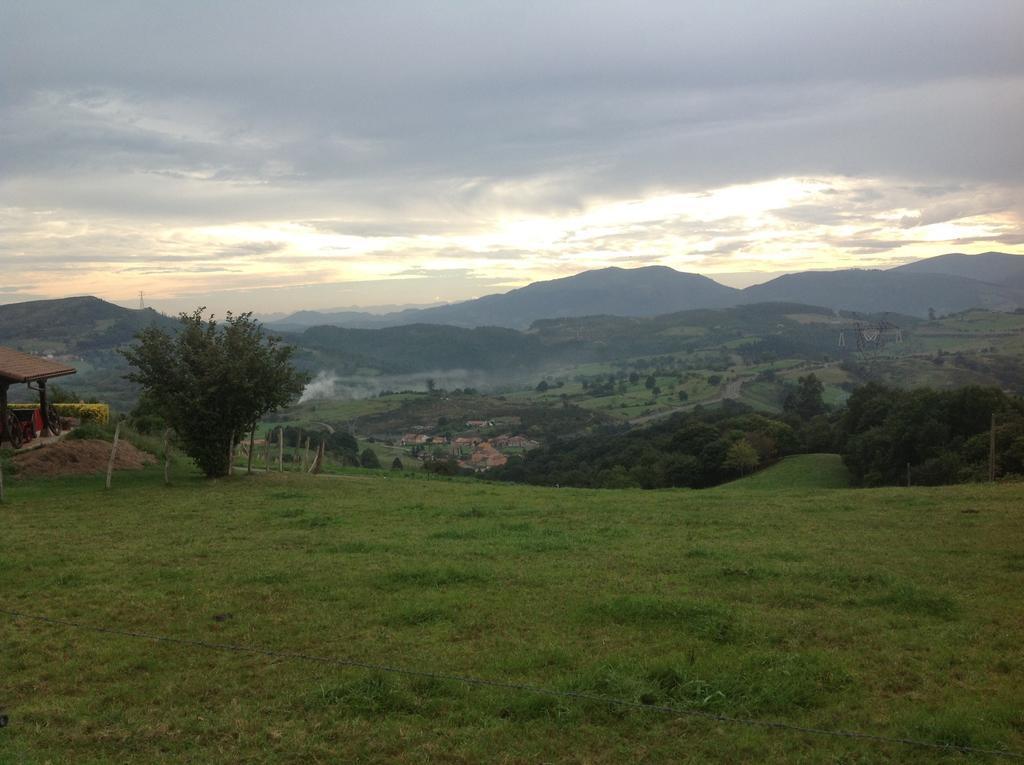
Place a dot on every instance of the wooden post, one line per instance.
(305, 455)
(992, 450)
(280, 449)
(318, 461)
(113, 453)
(167, 457)
(3, 413)
(266, 444)
(298, 447)
(252, 437)
(43, 410)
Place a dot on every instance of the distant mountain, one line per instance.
(994, 267)
(73, 325)
(301, 320)
(896, 291)
(374, 316)
(647, 291)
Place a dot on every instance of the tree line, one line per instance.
(943, 436)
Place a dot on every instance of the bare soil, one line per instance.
(79, 457)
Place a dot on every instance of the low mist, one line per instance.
(329, 385)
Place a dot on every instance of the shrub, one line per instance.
(368, 459)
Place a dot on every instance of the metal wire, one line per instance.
(505, 685)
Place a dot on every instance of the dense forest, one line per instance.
(942, 435)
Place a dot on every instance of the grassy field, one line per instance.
(895, 612)
(801, 471)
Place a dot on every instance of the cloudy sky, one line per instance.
(270, 156)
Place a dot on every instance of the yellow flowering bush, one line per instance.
(98, 413)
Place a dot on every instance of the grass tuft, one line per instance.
(433, 577)
(706, 620)
(914, 601)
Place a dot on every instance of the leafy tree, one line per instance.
(650, 382)
(742, 457)
(806, 401)
(683, 395)
(634, 378)
(58, 394)
(213, 382)
(542, 386)
(396, 464)
(368, 459)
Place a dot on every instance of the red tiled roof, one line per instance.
(19, 367)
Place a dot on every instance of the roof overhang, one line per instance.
(18, 367)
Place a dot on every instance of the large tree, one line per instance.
(213, 382)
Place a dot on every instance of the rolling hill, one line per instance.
(798, 472)
(73, 325)
(87, 332)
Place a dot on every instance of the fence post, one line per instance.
(305, 455)
(992, 450)
(167, 457)
(318, 460)
(266, 443)
(252, 437)
(280, 449)
(113, 453)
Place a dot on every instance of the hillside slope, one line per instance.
(894, 291)
(73, 325)
(993, 267)
(797, 472)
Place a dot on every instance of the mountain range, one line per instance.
(944, 284)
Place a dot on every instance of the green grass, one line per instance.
(800, 471)
(895, 612)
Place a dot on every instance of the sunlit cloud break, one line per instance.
(342, 162)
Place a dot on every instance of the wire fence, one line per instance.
(510, 686)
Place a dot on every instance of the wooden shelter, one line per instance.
(18, 367)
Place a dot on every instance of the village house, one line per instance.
(507, 441)
(485, 457)
(464, 444)
(522, 442)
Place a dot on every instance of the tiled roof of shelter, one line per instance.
(18, 367)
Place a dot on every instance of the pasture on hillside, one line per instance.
(892, 612)
(798, 471)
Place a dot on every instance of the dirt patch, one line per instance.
(79, 457)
